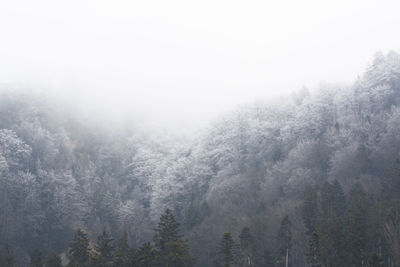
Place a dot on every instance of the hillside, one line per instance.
(250, 168)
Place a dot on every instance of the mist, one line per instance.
(182, 64)
(196, 134)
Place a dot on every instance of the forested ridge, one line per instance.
(310, 180)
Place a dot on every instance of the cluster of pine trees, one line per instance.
(168, 249)
(246, 253)
(354, 229)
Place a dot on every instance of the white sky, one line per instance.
(185, 61)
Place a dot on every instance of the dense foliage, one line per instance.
(328, 159)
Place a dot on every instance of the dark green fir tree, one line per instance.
(314, 253)
(172, 249)
(357, 226)
(331, 225)
(121, 253)
(310, 209)
(226, 251)
(146, 255)
(246, 247)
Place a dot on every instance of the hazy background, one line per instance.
(184, 62)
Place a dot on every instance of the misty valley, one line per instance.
(311, 179)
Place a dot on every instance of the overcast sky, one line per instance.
(189, 60)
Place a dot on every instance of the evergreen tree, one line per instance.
(330, 225)
(375, 261)
(226, 251)
(54, 260)
(246, 240)
(36, 259)
(284, 241)
(172, 250)
(146, 255)
(391, 222)
(121, 253)
(167, 230)
(310, 209)
(104, 245)
(314, 254)
(79, 249)
(357, 227)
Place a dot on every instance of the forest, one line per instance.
(311, 179)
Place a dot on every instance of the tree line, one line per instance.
(354, 229)
(167, 249)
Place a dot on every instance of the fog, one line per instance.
(183, 133)
(184, 62)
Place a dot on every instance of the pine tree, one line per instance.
(171, 249)
(310, 209)
(331, 225)
(245, 238)
(146, 255)
(357, 219)
(79, 249)
(104, 245)
(54, 260)
(226, 251)
(314, 253)
(36, 259)
(284, 241)
(121, 253)
(391, 223)
(167, 230)
(246, 241)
